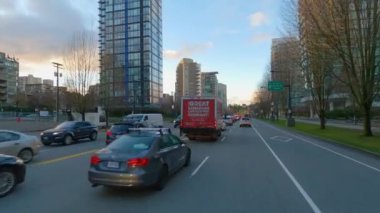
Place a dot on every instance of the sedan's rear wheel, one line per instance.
(26, 155)
(68, 140)
(162, 180)
(7, 182)
(188, 158)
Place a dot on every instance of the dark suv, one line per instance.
(117, 130)
(69, 131)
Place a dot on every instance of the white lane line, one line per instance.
(294, 180)
(199, 166)
(223, 138)
(330, 150)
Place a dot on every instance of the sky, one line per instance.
(232, 37)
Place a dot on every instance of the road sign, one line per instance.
(275, 86)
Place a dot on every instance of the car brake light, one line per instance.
(138, 162)
(95, 160)
(109, 133)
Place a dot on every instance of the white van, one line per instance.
(145, 120)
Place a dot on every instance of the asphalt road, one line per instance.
(259, 169)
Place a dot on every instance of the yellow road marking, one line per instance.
(66, 157)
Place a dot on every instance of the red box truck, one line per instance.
(201, 117)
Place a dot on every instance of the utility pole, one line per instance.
(58, 75)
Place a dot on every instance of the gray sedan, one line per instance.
(139, 159)
(19, 144)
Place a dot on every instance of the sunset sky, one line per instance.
(232, 37)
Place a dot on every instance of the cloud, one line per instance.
(38, 30)
(187, 50)
(261, 37)
(258, 19)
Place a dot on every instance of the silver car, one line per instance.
(19, 144)
(139, 159)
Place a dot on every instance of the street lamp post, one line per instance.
(58, 75)
(290, 119)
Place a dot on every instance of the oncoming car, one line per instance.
(245, 122)
(145, 157)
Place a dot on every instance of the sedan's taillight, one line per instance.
(134, 162)
(95, 160)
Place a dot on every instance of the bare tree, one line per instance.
(317, 63)
(312, 57)
(262, 97)
(106, 84)
(80, 61)
(351, 29)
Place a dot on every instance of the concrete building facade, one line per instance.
(187, 79)
(9, 71)
(222, 95)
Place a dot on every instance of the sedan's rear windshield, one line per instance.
(132, 144)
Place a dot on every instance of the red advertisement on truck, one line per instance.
(201, 117)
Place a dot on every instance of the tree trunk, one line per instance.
(106, 112)
(83, 116)
(367, 120)
(322, 119)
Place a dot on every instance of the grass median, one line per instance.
(353, 138)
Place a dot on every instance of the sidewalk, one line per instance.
(27, 126)
(340, 124)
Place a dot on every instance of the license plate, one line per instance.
(112, 164)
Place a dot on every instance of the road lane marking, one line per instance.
(290, 175)
(330, 150)
(199, 166)
(66, 157)
(280, 138)
(223, 138)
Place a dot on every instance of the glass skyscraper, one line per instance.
(130, 52)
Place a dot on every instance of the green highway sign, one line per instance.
(275, 86)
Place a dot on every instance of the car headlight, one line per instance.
(57, 133)
(19, 161)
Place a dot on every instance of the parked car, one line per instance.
(68, 132)
(177, 121)
(228, 121)
(117, 130)
(245, 122)
(145, 120)
(12, 172)
(19, 144)
(144, 157)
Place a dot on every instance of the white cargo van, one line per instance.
(145, 120)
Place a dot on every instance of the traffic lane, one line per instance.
(59, 150)
(240, 175)
(332, 147)
(335, 183)
(62, 186)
